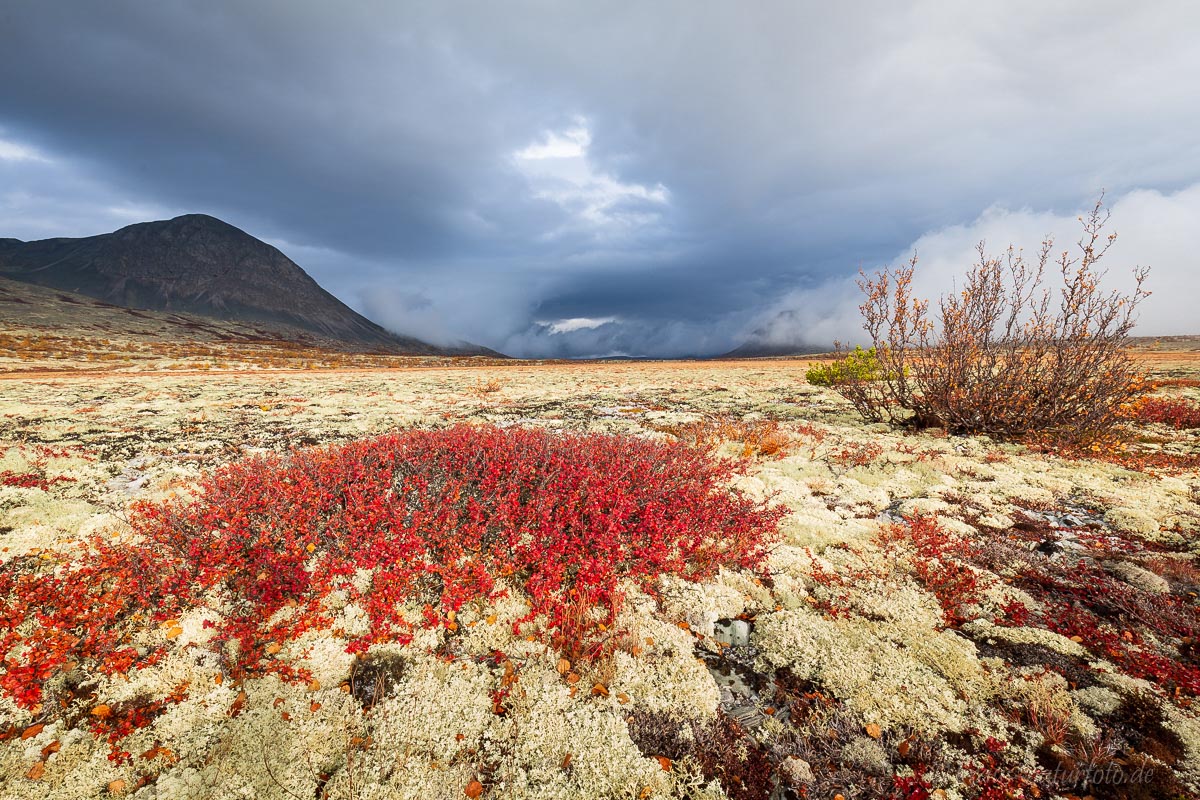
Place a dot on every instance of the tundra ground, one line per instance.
(941, 616)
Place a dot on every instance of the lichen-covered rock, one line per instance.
(1139, 578)
(797, 771)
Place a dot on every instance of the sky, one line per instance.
(580, 179)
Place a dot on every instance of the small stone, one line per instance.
(732, 632)
(797, 771)
(1138, 578)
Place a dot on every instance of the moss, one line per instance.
(1186, 726)
(701, 605)
(983, 629)
(676, 684)
(1100, 701)
(898, 601)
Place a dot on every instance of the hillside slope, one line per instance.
(198, 264)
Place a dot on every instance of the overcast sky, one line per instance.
(594, 178)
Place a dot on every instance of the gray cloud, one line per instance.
(695, 171)
(1153, 229)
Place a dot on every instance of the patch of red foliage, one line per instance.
(911, 787)
(1183, 383)
(32, 480)
(437, 518)
(838, 600)
(1116, 448)
(1154, 461)
(856, 455)
(1116, 621)
(1147, 635)
(939, 562)
(119, 723)
(992, 779)
(1176, 412)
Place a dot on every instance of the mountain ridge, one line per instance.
(199, 264)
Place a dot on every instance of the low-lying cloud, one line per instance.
(1153, 229)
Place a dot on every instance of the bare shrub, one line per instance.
(762, 437)
(483, 388)
(1006, 356)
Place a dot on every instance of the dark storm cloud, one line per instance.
(685, 173)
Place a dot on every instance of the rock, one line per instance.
(1137, 577)
(748, 717)
(733, 632)
(796, 771)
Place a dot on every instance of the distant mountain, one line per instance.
(197, 264)
(782, 335)
(758, 349)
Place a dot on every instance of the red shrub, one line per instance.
(32, 480)
(436, 517)
(856, 455)
(939, 562)
(838, 601)
(1177, 413)
(1111, 618)
(911, 787)
(991, 779)
(1132, 459)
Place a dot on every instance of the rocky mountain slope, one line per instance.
(198, 264)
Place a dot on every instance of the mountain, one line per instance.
(782, 335)
(197, 264)
(759, 349)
